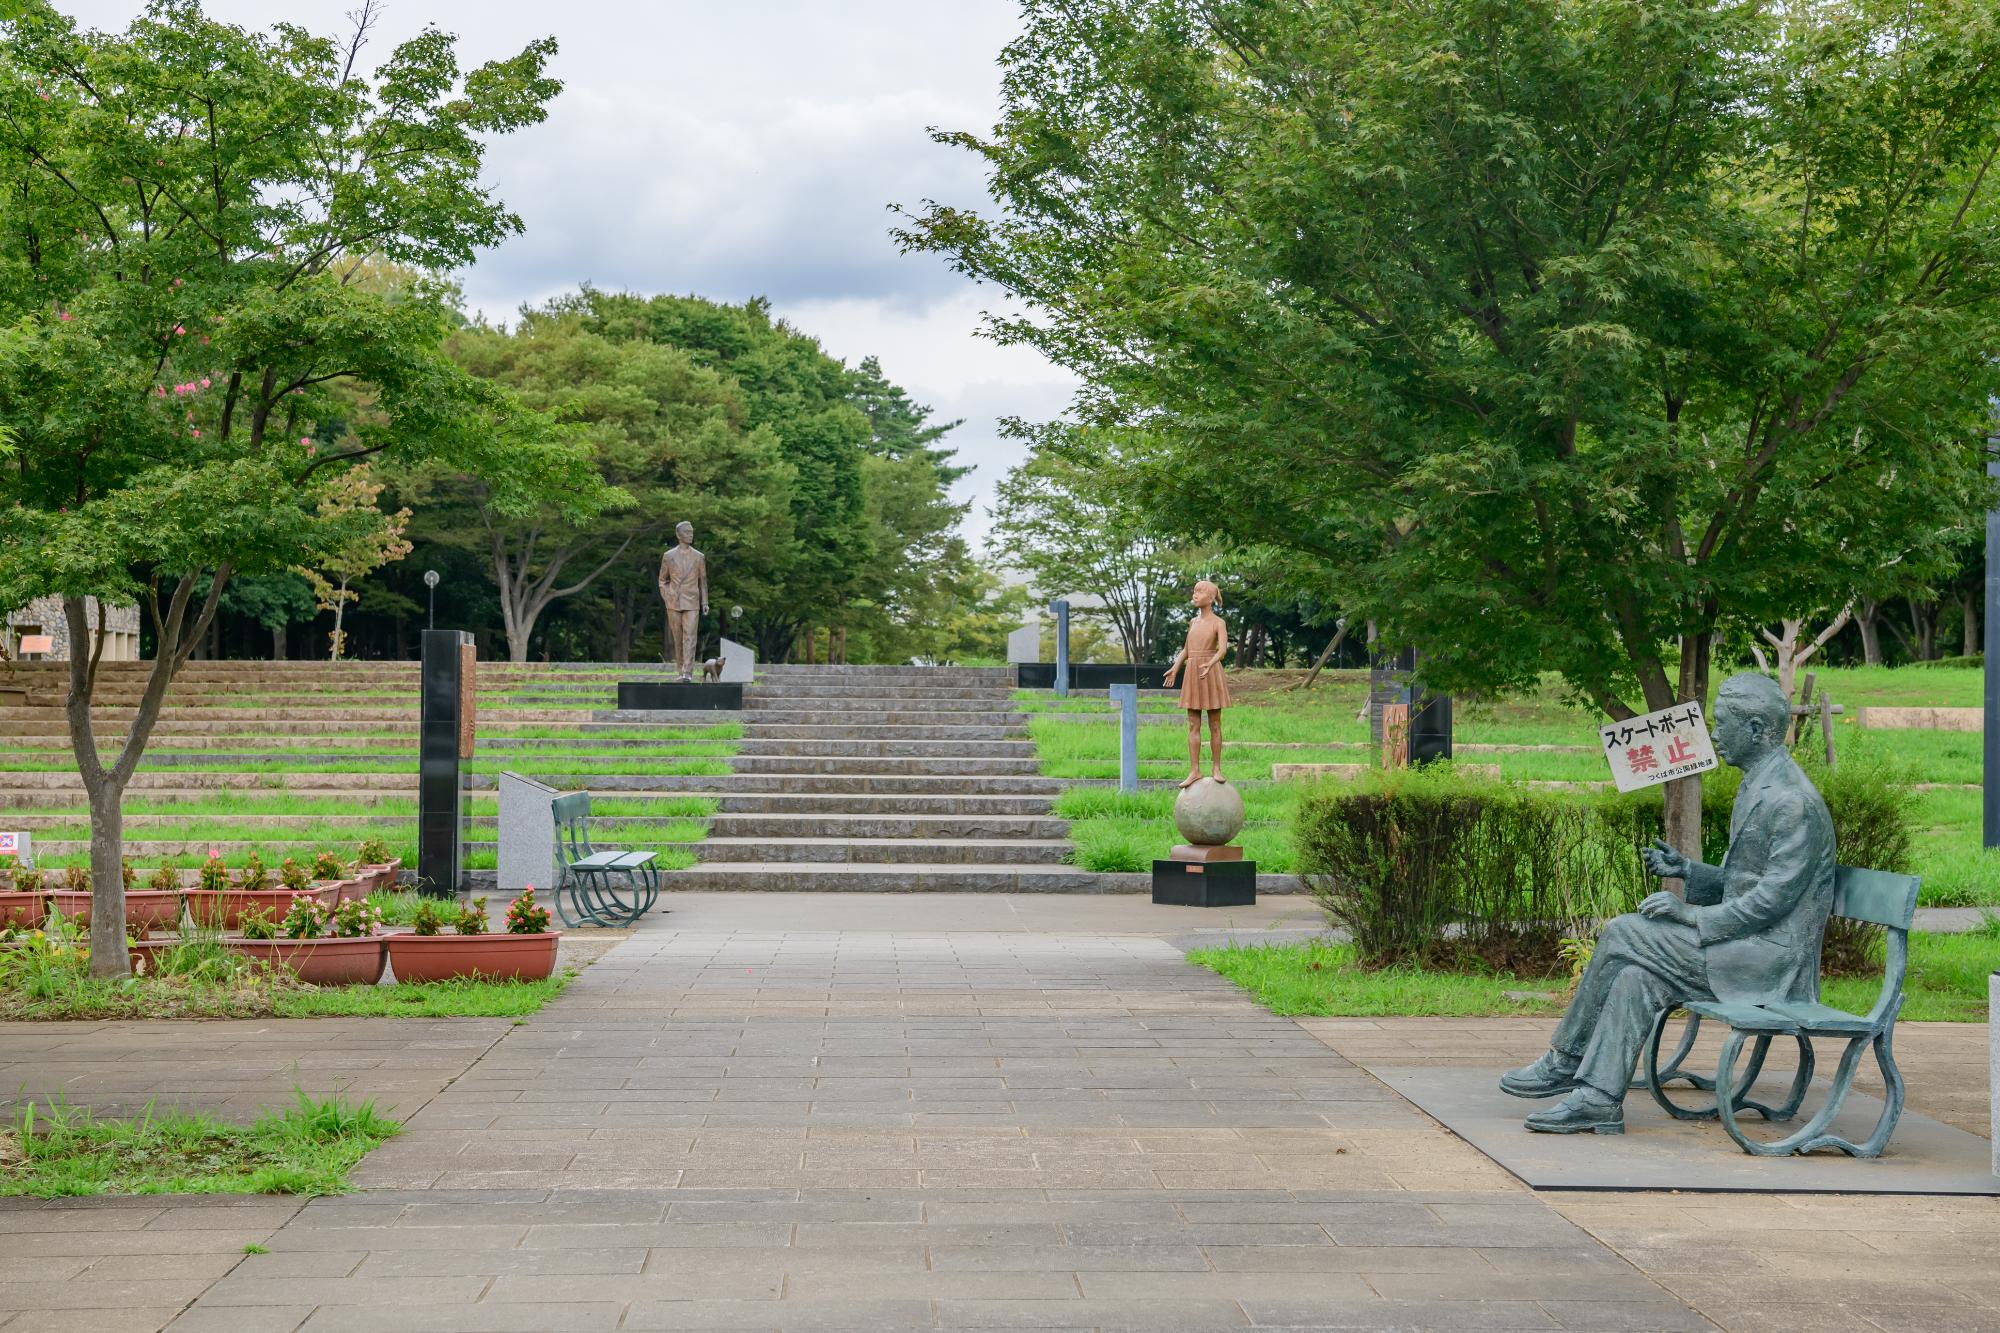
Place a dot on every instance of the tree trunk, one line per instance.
(1923, 626)
(1969, 639)
(278, 642)
(107, 874)
(1871, 633)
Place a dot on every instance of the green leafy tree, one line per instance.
(176, 201)
(670, 439)
(1538, 322)
(351, 500)
(274, 600)
(1069, 519)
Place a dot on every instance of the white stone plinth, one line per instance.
(527, 834)
(1025, 643)
(739, 663)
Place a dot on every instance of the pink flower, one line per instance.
(64, 316)
(306, 441)
(160, 390)
(177, 282)
(204, 378)
(196, 434)
(204, 340)
(179, 330)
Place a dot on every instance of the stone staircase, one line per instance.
(896, 779)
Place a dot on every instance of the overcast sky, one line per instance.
(740, 148)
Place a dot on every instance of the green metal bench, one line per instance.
(1876, 897)
(590, 883)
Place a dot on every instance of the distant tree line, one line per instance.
(820, 493)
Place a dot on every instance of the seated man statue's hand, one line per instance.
(1665, 862)
(1666, 906)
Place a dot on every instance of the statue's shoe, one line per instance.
(1551, 1076)
(1582, 1112)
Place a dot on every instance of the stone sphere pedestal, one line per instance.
(1207, 870)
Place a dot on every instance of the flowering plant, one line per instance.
(525, 916)
(327, 866)
(428, 919)
(294, 876)
(306, 919)
(214, 876)
(164, 880)
(256, 924)
(254, 875)
(77, 879)
(372, 852)
(356, 918)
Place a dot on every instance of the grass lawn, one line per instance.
(1946, 983)
(307, 1148)
(1546, 738)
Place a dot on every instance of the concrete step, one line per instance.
(883, 851)
(859, 824)
(907, 749)
(767, 876)
(856, 718)
(947, 764)
(764, 700)
(830, 784)
(782, 731)
(15, 786)
(791, 671)
(875, 804)
(878, 689)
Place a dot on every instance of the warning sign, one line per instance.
(1658, 747)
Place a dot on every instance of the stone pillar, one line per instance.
(1127, 699)
(443, 733)
(1060, 610)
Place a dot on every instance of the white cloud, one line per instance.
(744, 149)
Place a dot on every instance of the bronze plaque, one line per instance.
(468, 693)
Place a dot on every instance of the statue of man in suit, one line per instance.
(1748, 931)
(684, 588)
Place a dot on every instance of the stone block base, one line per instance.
(692, 696)
(1188, 852)
(1215, 884)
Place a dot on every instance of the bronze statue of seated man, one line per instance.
(1749, 929)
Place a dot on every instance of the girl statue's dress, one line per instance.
(1203, 686)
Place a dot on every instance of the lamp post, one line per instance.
(431, 582)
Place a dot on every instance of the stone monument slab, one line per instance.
(527, 834)
(1025, 643)
(739, 663)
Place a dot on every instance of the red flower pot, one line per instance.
(486, 957)
(223, 909)
(146, 910)
(321, 962)
(25, 910)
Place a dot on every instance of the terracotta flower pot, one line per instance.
(321, 962)
(487, 957)
(22, 909)
(224, 910)
(146, 910)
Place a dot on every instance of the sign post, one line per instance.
(1658, 747)
(1060, 610)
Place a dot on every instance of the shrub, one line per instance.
(1428, 867)
(256, 924)
(213, 875)
(76, 879)
(372, 852)
(253, 876)
(525, 916)
(30, 879)
(472, 919)
(328, 866)
(294, 876)
(428, 919)
(164, 880)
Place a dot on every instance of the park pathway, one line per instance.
(934, 1125)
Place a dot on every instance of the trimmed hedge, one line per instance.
(1435, 868)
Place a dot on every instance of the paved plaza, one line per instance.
(935, 1112)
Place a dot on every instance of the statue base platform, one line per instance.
(1205, 855)
(1205, 884)
(679, 696)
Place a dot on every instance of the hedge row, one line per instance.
(1436, 868)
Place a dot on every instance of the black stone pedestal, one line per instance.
(693, 696)
(443, 732)
(1205, 884)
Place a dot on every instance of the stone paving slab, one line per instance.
(1661, 1153)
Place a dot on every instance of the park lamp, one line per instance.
(431, 582)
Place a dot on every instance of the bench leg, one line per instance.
(1883, 1044)
(1813, 1133)
(1658, 1075)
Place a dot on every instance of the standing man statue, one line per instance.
(684, 588)
(1748, 931)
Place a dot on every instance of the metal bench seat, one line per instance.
(613, 887)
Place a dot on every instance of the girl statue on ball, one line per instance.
(1204, 689)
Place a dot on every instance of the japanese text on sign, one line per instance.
(1658, 747)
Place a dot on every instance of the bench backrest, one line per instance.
(1879, 897)
(572, 815)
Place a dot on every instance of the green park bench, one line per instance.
(598, 888)
(1876, 897)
